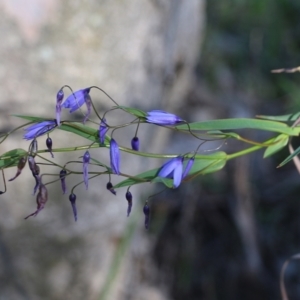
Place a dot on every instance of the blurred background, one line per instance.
(221, 236)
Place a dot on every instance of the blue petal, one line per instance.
(168, 168)
(188, 167)
(177, 174)
(114, 156)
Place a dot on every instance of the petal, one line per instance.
(177, 175)
(188, 167)
(114, 157)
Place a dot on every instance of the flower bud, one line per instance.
(33, 148)
(146, 211)
(72, 199)
(41, 200)
(129, 200)
(21, 165)
(62, 176)
(86, 161)
(49, 145)
(135, 143)
(109, 186)
(59, 96)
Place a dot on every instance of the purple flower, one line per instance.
(188, 167)
(161, 117)
(114, 157)
(62, 176)
(86, 161)
(135, 143)
(172, 169)
(102, 131)
(76, 100)
(129, 200)
(72, 199)
(35, 170)
(59, 99)
(39, 129)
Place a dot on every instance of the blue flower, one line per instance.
(39, 129)
(114, 157)
(76, 100)
(102, 131)
(59, 99)
(128, 196)
(188, 167)
(172, 169)
(86, 161)
(161, 117)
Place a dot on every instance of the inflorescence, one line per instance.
(177, 168)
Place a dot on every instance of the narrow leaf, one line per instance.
(290, 157)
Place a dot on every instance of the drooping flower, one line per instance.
(49, 145)
(76, 100)
(114, 157)
(86, 161)
(102, 131)
(21, 165)
(62, 176)
(135, 143)
(172, 169)
(72, 199)
(161, 117)
(129, 200)
(109, 186)
(35, 170)
(33, 148)
(41, 200)
(188, 167)
(59, 99)
(146, 210)
(39, 129)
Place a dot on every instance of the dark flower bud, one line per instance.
(129, 200)
(35, 170)
(62, 176)
(41, 200)
(135, 143)
(109, 186)
(146, 211)
(49, 145)
(72, 199)
(21, 165)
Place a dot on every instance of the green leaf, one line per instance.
(11, 158)
(140, 178)
(290, 157)
(229, 124)
(134, 111)
(34, 119)
(81, 130)
(280, 142)
(282, 118)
